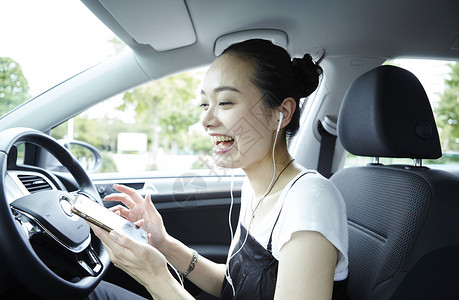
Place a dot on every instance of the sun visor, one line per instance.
(278, 37)
(162, 24)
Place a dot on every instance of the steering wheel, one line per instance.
(75, 261)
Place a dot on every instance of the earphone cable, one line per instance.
(268, 190)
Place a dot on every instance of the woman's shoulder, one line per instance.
(310, 179)
(311, 186)
(313, 204)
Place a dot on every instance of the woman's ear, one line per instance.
(287, 108)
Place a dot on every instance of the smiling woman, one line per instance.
(292, 225)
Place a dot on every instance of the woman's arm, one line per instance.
(306, 267)
(148, 265)
(207, 275)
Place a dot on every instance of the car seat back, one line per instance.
(397, 214)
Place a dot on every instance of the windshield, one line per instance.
(45, 42)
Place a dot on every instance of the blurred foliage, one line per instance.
(200, 144)
(14, 87)
(108, 164)
(165, 107)
(100, 132)
(166, 110)
(117, 45)
(447, 112)
(447, 158)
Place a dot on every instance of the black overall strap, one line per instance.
(269, 246)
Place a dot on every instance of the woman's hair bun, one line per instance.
(277, 76)
(308, 73)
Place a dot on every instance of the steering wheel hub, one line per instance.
(66, 205)
(45, 209)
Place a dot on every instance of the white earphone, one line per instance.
(227, 270)
(281, 116)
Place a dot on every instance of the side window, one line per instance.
(153, 127)
(21, 150)
(441, 82)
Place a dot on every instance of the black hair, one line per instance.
(278, 76)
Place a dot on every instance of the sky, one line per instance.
(28, 28)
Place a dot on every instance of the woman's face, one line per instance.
(241, 129)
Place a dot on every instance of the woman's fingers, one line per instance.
(130, 198)
(122, 240)
(116, 243)
(149, 203)
(120, 210)
(148, 237)
(139, 223)
(121, 197)
(140, 260)
(132, 193)
(99, 232)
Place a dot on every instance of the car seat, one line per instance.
(403, 219)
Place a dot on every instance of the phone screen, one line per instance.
(104, 218)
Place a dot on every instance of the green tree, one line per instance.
(14, 87)
(117, 45)
(166, 109)
(99, 132)
(447, 112)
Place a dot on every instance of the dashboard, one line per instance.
(22, 183)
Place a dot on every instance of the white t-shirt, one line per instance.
(310, 202)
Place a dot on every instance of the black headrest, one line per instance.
(386, 113)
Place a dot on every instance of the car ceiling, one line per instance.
(352, 27)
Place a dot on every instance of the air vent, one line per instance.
(34, 183)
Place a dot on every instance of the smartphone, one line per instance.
(106, 219)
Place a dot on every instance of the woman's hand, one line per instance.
(149, 261)
(142, 262)
(139, 208)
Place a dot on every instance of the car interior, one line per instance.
(403, 215)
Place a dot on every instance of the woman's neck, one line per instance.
(260, 174)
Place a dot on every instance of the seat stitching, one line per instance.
(367, 231)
